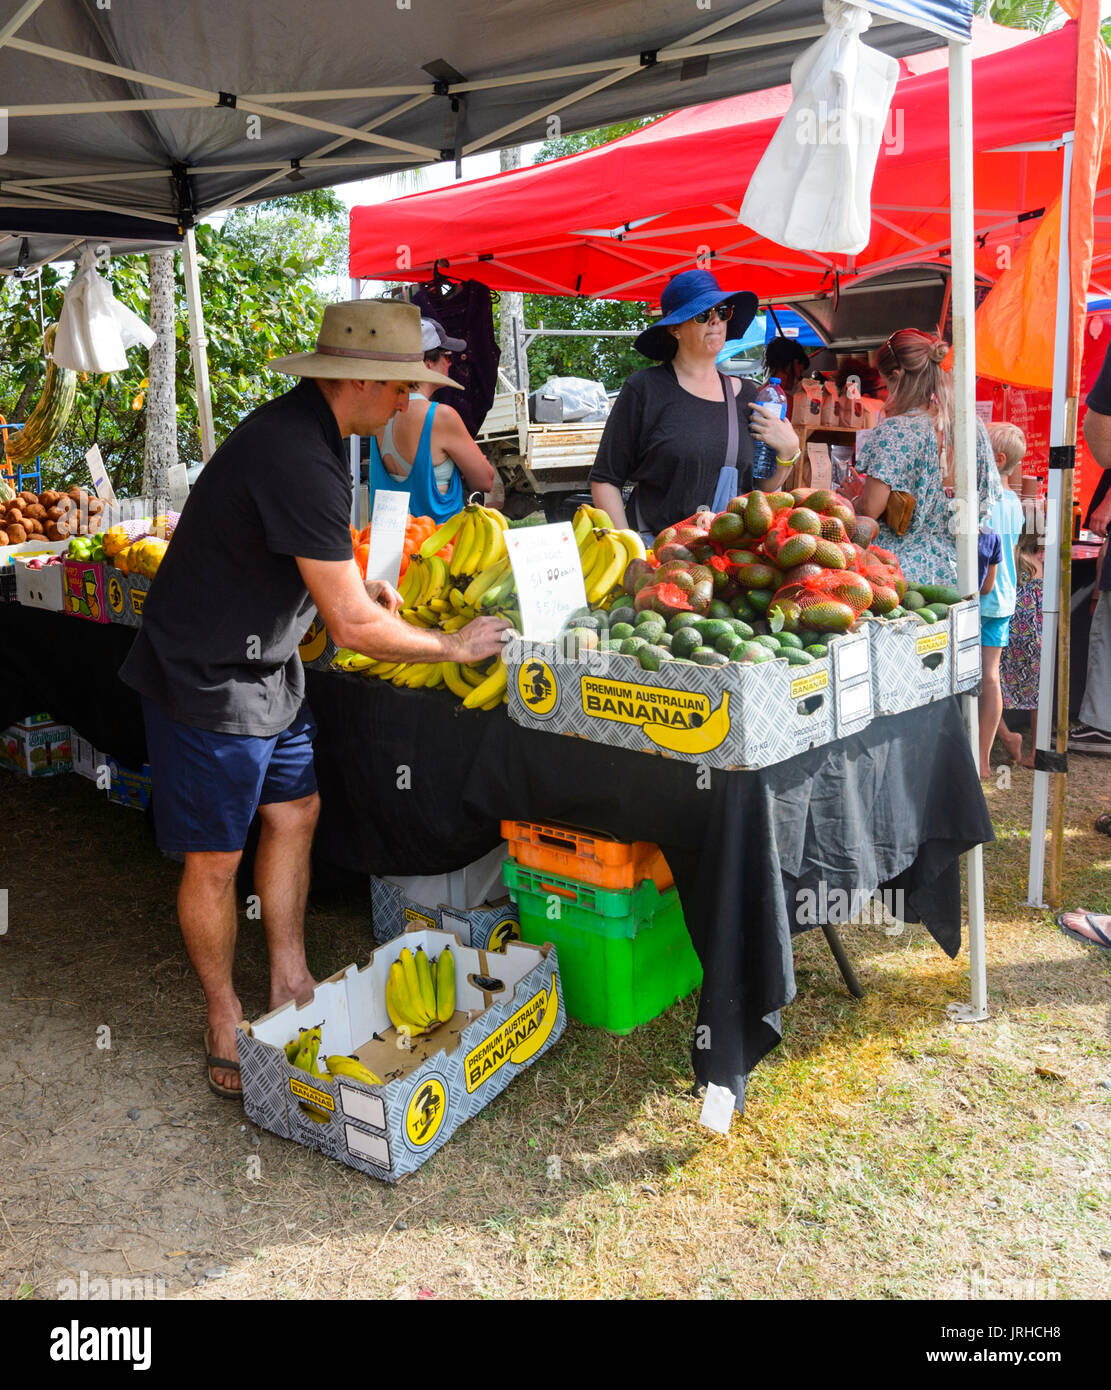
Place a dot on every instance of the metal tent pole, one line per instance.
(198, 344)
(1058, 528)
(962, 227)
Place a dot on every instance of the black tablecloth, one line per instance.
(411, 783)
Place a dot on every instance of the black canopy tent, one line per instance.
(145, 119)
(168, 114)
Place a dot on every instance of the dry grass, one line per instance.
(886, 1152)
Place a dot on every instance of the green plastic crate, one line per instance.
(624, 954)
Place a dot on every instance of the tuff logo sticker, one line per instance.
(425, 1112)
(115, 595)
(680, 720)
(536, 685)
(314, 641)
(508, 929)
(520, 1037)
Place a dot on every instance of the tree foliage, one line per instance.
(608, 360)
(260, 300)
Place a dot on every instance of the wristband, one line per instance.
(786, 463)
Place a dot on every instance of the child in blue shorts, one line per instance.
(997, 604)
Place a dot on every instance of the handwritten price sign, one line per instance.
(549, 577)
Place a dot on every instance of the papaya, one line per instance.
(864, 531)
(796, 550)
(758, 514)
(633, 571)
(757, 576)
(833, 529)
(805, 521)
(743, 557)
(673, 551)
(829, 555)
(830, 615)
(737, 505)
(727, 528)
(779, 501)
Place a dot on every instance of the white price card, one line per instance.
(178, 481)
(717, 1108)
(549, 576)
(99, 474)
(387, 535)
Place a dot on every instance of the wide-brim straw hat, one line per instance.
(366, 340)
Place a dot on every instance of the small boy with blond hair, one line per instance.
(1008, 444)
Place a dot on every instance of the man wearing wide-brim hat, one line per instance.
(264, 537)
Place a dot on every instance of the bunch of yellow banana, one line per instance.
(301, 1052)
(420, 993)
(604, 552)
(479, 540)
(352, 1067)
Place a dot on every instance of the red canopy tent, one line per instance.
(617, 221)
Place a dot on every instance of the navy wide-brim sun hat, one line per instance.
(685, 295)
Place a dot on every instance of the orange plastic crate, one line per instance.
(586, 856)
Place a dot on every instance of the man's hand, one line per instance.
(383, 594)
(1100, 520)
(479, 639)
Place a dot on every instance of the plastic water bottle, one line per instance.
(763, 457)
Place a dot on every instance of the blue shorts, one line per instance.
(995, 632)
(206, 787)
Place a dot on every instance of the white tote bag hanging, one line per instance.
(95, 329)
(812, 189)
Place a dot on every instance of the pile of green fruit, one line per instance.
(86, 548)
(735, 631)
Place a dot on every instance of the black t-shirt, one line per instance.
(1099, 400)
(228, 607)
(671, 445)
(1099, 397)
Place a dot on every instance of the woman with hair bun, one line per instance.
(907, 452)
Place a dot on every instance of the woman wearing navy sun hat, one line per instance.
(676, 425)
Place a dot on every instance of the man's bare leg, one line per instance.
(206, 909)
(282, 868)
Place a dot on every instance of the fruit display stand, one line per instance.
(870, 810)
(728, 717)
(508, 1013)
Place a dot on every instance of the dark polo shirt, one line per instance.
(228, 607)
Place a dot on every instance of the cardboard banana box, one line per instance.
(316, 648)
(508, 1012)
(732, 717)
(914, 664)
(126, 594)
(488, 927)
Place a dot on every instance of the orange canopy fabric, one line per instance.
(1015, 323)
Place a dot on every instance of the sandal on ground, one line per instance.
(224, 1064)
(1089, 928)
(1103, 823)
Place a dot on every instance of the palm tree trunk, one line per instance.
(160, 452)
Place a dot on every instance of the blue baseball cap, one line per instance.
(689, 293)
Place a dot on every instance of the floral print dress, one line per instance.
(903, 453)
(1020, 668)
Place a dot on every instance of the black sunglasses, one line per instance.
(723, 311)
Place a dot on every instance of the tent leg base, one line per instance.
(966, 1013)
(1031, 903)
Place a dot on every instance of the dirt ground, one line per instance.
(886, 1152)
